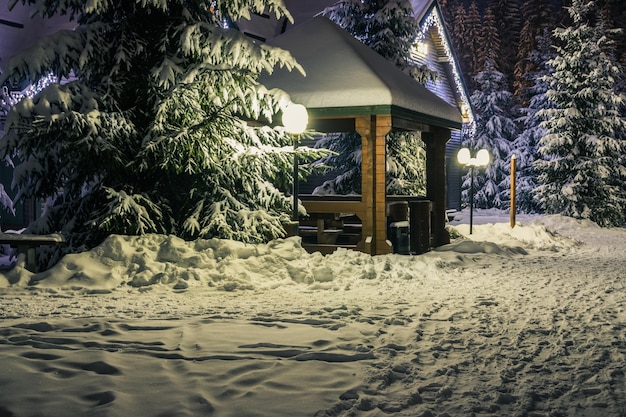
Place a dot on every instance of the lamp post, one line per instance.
(295, 119)
(480, 160)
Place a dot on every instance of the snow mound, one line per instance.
(140, 261)
(470, 246)
(150, 261)
(532, 236)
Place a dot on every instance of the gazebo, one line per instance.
(349, 87)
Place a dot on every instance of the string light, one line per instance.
(432, 19)
(11, 97)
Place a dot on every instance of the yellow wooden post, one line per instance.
(364, 128)
(373, 130)
(435, 141)
(512, 208)
(382, 126)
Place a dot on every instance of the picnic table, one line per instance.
(27, 244)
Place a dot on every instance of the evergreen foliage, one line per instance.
(525, 145)
(489, 49)
(150, 136)
(345, 162)
(613, 15)
(457, 29)
(495, 131)
(473, 38)
(405, 164)
(529, 98)
(508, 23)
(582, 170)
(537, 17)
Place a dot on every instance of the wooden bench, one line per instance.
(323, 228)
(325, 232)
(28, 243)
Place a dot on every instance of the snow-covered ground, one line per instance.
(528, 321)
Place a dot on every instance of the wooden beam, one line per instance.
(381, 126)
(402, 123)
(356, 207)
(436, 181)
(363, 127)
(332, 125)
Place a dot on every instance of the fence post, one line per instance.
(512, 208)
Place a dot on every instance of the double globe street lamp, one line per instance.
(295, 120)
(480, 160)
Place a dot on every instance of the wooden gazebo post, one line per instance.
(435, 141)
(373, 130)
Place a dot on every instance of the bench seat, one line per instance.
(27, 244)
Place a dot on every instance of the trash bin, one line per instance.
(399, 236)
(420, 220)
(397, 211)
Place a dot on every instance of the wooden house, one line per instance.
(433, 48)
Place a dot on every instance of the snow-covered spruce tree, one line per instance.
(151, 136)
(507, 18)
(389, 28)
(581, 170)
(495, 131)
(531, 131)
(405, 165)
(345, 160)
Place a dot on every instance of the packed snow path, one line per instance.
(498, 327)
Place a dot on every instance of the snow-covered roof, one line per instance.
(450, 84)
(344, 74)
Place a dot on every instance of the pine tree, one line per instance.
(473, 39)
(537, 16)
(151, 134)
(495, 130)
(457, 27)
(582, 170)
(525, 145)
(508, 22)
(489, 49)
